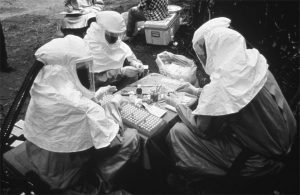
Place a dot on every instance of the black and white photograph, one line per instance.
(129, 97)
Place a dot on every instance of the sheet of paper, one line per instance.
(146, 67)
(156, 111)
(17, 131)
(20, 124)
(172, 108)
(16, 143)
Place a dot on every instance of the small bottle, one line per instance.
(172, 34)
(139, 92)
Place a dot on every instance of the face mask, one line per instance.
(111, 38)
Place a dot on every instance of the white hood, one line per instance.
(106, 56)
(237, 74)
(60, 116)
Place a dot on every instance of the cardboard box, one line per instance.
(162, 32)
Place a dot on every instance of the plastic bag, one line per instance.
(176, 66)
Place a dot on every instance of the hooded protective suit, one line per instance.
(63, 126)
(60, 107)
(242, 107)
(109, 59)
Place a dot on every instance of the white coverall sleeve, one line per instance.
(133, 61)
(103, 124)
(112, 110)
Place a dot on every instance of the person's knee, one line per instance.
(178, 133)
(178, 130)
(131, 137)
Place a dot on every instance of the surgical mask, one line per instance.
(83, 70)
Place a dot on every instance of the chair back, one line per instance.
(14, 111)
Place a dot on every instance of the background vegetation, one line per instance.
(271, 26)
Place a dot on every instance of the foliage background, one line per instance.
(271, 26)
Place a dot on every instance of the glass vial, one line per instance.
(139, 92)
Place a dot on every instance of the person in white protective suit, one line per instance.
(114, 61)
(241, 108)
(67, 132)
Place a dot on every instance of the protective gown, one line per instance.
(109, 58)
(242, 107)
(66, 131)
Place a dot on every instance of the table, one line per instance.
(154, 147)
(150, 82)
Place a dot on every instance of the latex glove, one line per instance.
(171, 100)
(120, 100)
(189, 88)
(130, 71)
(140, 66)
(105, 90)
(69, 8)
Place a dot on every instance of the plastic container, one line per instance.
(154, 96)
(139, 92)
(162, 32)
(176, 66)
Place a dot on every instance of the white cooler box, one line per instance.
(163, 31)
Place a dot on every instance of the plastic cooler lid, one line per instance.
(162, 24)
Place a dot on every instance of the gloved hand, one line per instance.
(189, 88)
(105, 90)
(171, 99)
(120, 100)
(139, 66)
(69, 8)
(130, 71)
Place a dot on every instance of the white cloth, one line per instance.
(81, 21)
(106, 57)
(237, 74)
(88, 9)
(65, 52)
(111, 21)
(211, 24)
(84, 3)
(60, 117)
